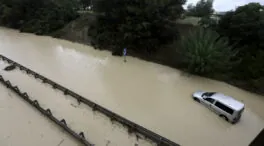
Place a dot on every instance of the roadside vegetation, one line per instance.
(37, 16)
(226, 46)
(244, 29)
(204, 52)
(140, 25)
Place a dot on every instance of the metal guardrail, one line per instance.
(62, 123)
(132, 127)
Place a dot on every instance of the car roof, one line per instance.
(229, 101)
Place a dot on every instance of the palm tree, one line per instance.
(204, 52)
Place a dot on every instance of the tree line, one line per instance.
(140, 25)
(37, 16)
(244, 31)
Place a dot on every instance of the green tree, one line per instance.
(41, 16)
(245, 28)
(205, 53)
(141, 25)
(203, 8)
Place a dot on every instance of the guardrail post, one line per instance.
(94, 107)
(112, 119)
(64, 122)
(8, 84)
(65, 92)
(82, 135)
(44, 80)
(36, 75)
(48, 112)
(25, 95)
(36, 103)
(79, 101)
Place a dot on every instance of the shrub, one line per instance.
(204, 52)
(251, 66)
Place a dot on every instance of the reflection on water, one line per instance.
(154, 96)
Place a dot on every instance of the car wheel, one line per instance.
(196, 99)
(224, 117)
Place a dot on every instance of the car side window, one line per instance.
(210, 100)
(225, 108)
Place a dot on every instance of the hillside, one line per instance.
(77, 30)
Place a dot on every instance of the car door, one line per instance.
(215, 107)
(208, 102)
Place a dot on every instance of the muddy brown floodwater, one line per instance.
(154, 96)
(30, 130)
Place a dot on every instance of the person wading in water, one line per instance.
(124, 54)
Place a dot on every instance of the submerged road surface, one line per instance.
(22, 126)
(154, 96)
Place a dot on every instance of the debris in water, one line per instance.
(108, 142)
(73, 105)
(10, 95)
(10, 67)
(61, 142)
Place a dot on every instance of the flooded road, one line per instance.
(154, 96)
(97, 128)
(30, 130)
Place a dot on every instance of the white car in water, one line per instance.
(225, 106)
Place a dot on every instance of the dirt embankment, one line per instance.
(77, 30)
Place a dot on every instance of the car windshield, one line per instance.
(208, 94)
